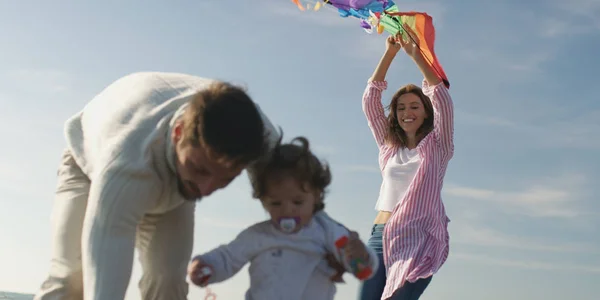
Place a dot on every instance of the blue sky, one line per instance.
(521, 190)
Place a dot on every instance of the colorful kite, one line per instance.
(383, 15)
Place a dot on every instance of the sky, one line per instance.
(521, 190)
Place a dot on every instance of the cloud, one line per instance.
(364, 46)
(523, 40)
(575, 131)
(362, 168)
(505, 41)
(528, 264)
(229, 224)
(471, 233)
(468, 192)
(39, 80)
(533, 62)
(326, 16)
(575, 17)
(556, 197)
(436, 9)
(324, 150)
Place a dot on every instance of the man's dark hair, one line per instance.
(226, 122)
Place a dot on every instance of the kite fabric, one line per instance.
(384, 15)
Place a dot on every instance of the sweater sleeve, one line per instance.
(117, 202)
(227, 260)
(335, 231)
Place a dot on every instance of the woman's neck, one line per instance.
(411, 142)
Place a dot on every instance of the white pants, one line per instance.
(164, 243)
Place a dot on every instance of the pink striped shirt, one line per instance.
(415, 238)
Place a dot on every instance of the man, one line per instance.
(137, 157)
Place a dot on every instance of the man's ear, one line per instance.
(177, 133)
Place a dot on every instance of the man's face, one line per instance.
(198, 174)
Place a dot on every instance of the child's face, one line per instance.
(286, 200)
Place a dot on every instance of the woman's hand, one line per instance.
(411, 47)
(392, 46)
(410, 42)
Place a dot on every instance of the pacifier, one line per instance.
(288, 224)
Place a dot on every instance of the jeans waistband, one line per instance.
(375, 241)
(377, 228)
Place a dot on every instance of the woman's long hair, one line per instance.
(395, 135)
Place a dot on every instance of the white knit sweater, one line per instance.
(121, 140)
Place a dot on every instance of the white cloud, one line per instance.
(364, 45)
(556, 197)
(362, 168)
(229, 224)
(572, 18)
(326, 16)
(39, 80)
(471, 233)
(575, 132)
(468, 192)
(528, 264)
(532, 63)
(436, 9)
(502, 63)
(324, 150)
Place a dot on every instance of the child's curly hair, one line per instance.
(297, 161)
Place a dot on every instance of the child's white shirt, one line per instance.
(283, 266)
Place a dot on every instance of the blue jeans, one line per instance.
(373, 288)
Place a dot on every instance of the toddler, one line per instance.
(287, 253)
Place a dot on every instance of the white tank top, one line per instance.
(397, 176)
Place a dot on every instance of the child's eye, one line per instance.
(298, 202)
(275, 203)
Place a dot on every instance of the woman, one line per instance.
(415, 144)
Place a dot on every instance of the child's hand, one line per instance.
(337, 266)
(197, 272)
(356, 249)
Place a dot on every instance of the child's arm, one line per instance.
(226, 260)
(359, 258)
(348, 249)
(332, 268)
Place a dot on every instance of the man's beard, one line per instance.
(184, 192)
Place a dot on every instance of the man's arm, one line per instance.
(118, 199)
